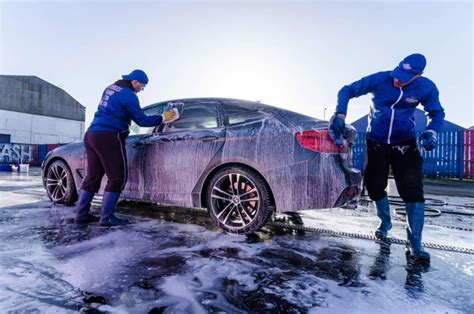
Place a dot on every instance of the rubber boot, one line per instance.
(82, 208)
(107, 217)
(383, 212)
(415, 219)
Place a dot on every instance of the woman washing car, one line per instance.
(105, 146)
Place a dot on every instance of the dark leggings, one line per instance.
(407, 167)
(105, 155)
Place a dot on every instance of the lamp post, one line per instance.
(324, 113)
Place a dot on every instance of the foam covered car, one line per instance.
(241, 160)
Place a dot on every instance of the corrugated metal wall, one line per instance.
(468, 160)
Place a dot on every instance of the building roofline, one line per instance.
(15, 77)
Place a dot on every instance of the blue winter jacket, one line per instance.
(391, 113)
(118, 106)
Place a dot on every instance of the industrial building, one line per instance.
(33, 111)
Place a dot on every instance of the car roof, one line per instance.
(283, 113)
(221, 100)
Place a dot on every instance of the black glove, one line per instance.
(336, 128)
(428, 140)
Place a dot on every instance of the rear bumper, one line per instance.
(353, 176)
(323, 181)
(354, 188)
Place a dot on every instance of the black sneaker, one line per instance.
(86, 219)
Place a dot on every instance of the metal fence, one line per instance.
(453, 157)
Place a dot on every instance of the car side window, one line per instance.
(135, 129)
(194, 116)
(239, 114)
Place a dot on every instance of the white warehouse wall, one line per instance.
(35, 129)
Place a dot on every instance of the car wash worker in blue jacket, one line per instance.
(391, 140)
(105, 146)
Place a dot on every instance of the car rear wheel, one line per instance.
(238, 200)
(60, 184)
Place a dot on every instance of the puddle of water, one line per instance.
(174, 260)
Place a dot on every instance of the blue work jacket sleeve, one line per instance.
(137, 114)
(434, 110)
(358, 88)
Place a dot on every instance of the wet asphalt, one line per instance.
(173, 260)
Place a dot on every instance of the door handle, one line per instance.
(164, 140)
(138, 144)
(177, 138)
(209, 138)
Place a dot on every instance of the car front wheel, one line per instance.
(60, 183)
(238, 200)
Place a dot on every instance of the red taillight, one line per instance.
(352, 191)
(319, 141)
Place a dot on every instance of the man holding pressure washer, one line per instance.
(391, 140)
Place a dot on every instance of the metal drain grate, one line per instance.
(369, 237)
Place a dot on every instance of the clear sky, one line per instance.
(290, 54)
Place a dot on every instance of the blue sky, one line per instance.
(290, 54)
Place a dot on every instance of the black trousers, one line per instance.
(407, 166)
(105, 155)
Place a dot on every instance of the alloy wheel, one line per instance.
(56, 182)
(235, 200)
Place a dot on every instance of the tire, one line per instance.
(60, 184)
(238, 200)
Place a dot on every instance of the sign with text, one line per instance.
(18, 153)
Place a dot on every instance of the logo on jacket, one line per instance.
(402, 149)
(411, 100)
(406, 66)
